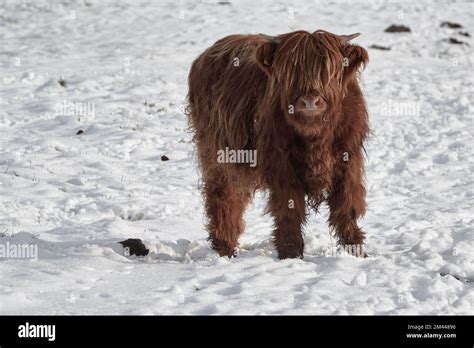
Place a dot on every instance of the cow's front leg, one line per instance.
(287, 206)
(347, 203)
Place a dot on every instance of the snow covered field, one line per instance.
(117, 72)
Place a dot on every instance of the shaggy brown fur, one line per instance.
(294, 98)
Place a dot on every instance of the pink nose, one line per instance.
(311, 103)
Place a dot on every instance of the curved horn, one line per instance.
(347, 38)
(270, 38)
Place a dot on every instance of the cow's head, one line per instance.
(309, 74)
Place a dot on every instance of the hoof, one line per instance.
(224, 249)
(134, 247)
(290, 251)
(290, 256)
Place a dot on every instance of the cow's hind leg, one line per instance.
(347, 204)
(287, 205)
(225, 206)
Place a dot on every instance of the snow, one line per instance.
(124, 66)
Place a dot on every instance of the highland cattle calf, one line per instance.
(283, 114)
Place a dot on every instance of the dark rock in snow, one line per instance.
(135, 247)
(451, 25)
(383, 48)
(394, 28)
(464, 33)
(80, 131)
(164, 158)
(454, 41)
(461, 279)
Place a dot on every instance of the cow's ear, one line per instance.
(264, 56)
(355, 58)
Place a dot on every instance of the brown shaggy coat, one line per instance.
(296, 100)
